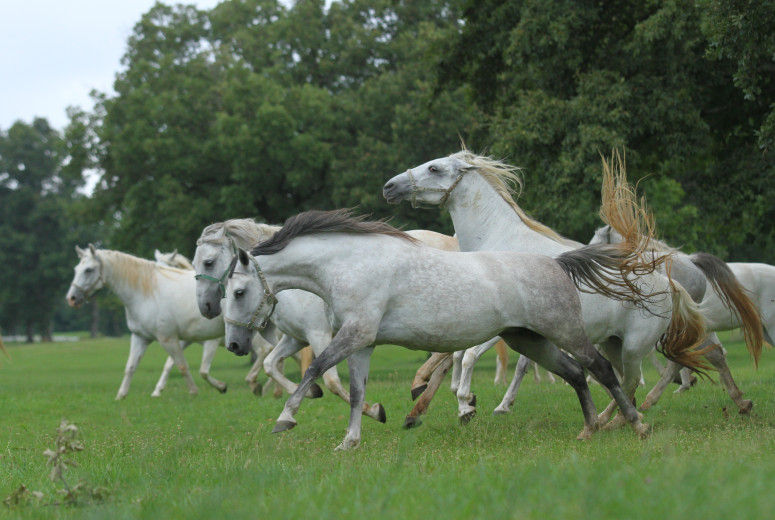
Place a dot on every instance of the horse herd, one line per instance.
(343, 285)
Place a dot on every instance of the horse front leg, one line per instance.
(348, 340)
(261, 347)
(174, 350)
(358, 362)
(284, 349)
(137, 347)
(209, 348)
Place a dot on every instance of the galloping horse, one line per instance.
(383, 287)
(725, 305)
(479, 193)
(159, 304)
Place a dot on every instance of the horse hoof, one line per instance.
(466, 417)
(412, 422)
(223, 390)
(501, 411)
(282, 426)
(382, 416)
(416, 392)
(258, 389)
(643, 430)
(746, 407)
(315, 391)
(644, 406)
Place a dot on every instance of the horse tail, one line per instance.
(686, 332)
(612, 270)
(735, 298)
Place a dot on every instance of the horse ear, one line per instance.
(157, 254)
(461, 166)
(174, 253)
(80, 252)
(93, 249)
(243, 257)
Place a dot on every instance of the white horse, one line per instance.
(385, 288)
(302, 317)
(261, 346)
(725, 305)
(479, 194)
(159, 303)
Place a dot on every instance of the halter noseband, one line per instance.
(221, 281)
(417, 189)
(269, 297)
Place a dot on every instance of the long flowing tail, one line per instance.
(735, 298)
(686, 332)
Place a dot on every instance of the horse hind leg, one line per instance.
(502, 363)
(511, 393)
(414, 417)
(465, 399)
(718, 358)
(425, 373)
(174, 350)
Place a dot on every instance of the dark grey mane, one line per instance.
(317, 221)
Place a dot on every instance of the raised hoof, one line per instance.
(416, 392)
(412, 422)
(746, 407)
(382, 416)
(282, 426)
(466, 417)
(258, 389)
(223, 390)
(315, 391)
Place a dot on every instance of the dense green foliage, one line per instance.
(212, 456)
(258, 108)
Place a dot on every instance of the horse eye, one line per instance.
(209, 263)
(88, 270)
(239, 293)
(432, 169)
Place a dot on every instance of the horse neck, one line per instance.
(116, 279)
(484, 221)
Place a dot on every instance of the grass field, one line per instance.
(212, 456)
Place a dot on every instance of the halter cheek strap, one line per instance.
(87, 294)
(417, 189)
(221, 281)
(268, 298)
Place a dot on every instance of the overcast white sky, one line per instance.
(54, 52)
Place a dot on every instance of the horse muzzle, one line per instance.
(236, 348)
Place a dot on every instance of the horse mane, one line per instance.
(507, 182)
(318, 221)
(245, 231)
(134, 271)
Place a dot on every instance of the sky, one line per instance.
(54, 52)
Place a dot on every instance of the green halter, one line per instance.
(221, 281)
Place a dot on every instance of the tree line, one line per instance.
(255, 109)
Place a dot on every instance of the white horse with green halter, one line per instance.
(479, 194)
(261, 346)
(159, 302)
(383, 287)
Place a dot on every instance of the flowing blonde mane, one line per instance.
(506, 180)
(136, 272)
(245, 232)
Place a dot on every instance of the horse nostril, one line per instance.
(207, 306)
(389, 185)
(234, 347)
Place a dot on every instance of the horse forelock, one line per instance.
(507, 182)
(318, 221)
(244, 231)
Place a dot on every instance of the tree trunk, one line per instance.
(95, 319)
(47, 335)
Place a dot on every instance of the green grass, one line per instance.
(212, 456)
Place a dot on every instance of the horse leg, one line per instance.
(414, 418)
(172, 346)
(287, 346)
(667, 377)
(137, 346)
(358, 363)
(348, 340)
(165, 374)
(718, 358)
(307, 356)
(466, 401)
(209, 348)
(630, 380)
(425, 372)
(545, 353)
(511, 394)
(501, 363)
(687, 380)
(457, 370)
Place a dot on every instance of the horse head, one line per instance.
(429, 184)
(88, 277)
